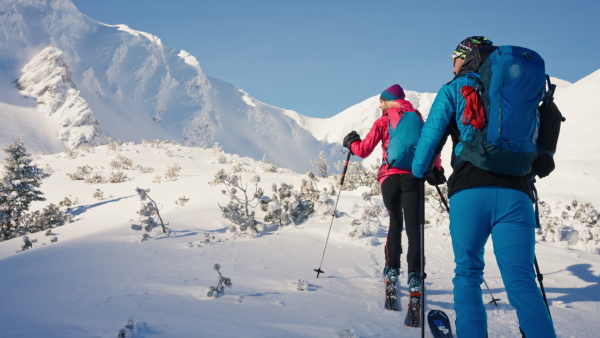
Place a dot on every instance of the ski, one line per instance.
(413, 314)
(439, 324)
(391, 297)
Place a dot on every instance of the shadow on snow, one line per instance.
(76, 211)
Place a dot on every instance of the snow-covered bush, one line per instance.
(287, 205)
(149, 214)
(117, 177)
(27, 244)
(95, 179)
(156, 143)
(181, 201)
(121, 163)
(222, 159)
(369, 222)
(127, 331)
(49, 217)
(171, 175)
(268, 166)
(71, 153)
(172, 172)
(145, 170)
(220, 177)
(86, 148)
(217, 147)
(216, 291)
(308, 187)
(239, 210)
(577, 225)
(324, 206)
(356, 176)
(434, 200)
(67, 202)
(436, 213)
(275, 213)
(114, 145)
(322, 165)
(347, 333)
(302, 285)
(98, 194)
(238, 167)
(284, 207)
(584, 213)
(81, 173)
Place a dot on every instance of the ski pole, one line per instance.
(494, 299)
(423, 274)
(540, 277)
(319, 271)
(443, 199)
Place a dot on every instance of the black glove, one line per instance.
(351, 137)
(436, 176)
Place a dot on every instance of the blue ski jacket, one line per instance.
(438, 126)
(445, 119)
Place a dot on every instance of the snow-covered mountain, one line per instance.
(68, 80)
(91, 82)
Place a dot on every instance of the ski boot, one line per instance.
(414, 284)
(390, 275)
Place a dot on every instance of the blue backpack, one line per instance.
(403, 141)
(511, 83)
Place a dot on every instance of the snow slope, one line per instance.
(99, 274)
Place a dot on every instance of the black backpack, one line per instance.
(549, 131)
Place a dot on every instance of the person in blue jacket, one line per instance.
(483, 203)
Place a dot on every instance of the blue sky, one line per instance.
(319, 57)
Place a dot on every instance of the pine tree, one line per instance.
(18, 188)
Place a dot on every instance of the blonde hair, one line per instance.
(385, 105)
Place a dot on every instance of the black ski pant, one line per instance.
(401, 198)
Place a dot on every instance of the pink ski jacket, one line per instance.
(379, 132)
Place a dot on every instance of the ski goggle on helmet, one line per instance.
(465, 46)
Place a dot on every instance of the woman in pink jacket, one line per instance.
(399, 189)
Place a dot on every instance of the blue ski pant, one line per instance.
(507, 215)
